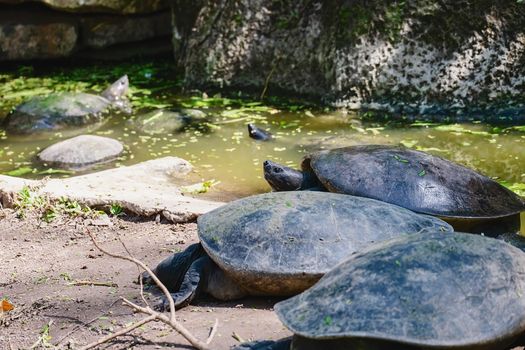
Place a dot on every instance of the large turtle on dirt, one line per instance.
(411, 179)
(432, 291)
(61, 110)
(281, 243)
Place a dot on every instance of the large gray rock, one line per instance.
(30, 32)
(435, 57)
(98, 32)
(120, 6)
(81, 152)
(23, 41)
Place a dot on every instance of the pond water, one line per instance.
(224, 154)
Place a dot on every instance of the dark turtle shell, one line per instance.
(457, 291)
(412, 179)
(281, 243)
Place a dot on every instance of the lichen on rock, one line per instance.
(437, 58)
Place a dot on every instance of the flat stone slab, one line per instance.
(146, 189)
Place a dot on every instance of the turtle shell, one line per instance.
(412, 179)
(56, 111)
(281, 243)
(454, 291)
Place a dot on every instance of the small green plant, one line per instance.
(44, 338)
(116, 209)
(27, 199)
(201, 187)
(50, 215)
(65, 276)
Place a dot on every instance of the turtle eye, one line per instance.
(277, 170)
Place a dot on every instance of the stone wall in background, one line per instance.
(61, 28)
(441, 58)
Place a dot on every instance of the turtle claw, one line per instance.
(162, 306)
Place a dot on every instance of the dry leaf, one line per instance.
(5, 305)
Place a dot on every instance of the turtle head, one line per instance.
(117, 90)
(258, 133)
(282, 178)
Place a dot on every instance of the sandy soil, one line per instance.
(41, 263)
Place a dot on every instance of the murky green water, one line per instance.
(228, 155)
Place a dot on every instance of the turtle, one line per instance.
(257, 133)
(433, 291)
(164, 121)
(412, 179)
(280, 243)
(67, 109)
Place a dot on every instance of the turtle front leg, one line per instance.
(172, 270)
(192, 284)
(204, 276)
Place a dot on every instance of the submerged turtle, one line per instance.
(439, 291)
(67, 109)
(164, 121)
(281, 243)
(412, 179)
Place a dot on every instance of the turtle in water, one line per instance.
(411, 179)
(61, 110)
(438, 291)
(257, 133)
(280, 243)
(165, 121)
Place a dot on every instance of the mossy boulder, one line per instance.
(440, 58)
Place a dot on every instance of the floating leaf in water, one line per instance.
(408, 143)
(431, 149)
(375, 131)
(520, 128)
(20, 171)
(51, 171)
(517, 187)
(423, 124)
(460, 129)
(309, 114)
(422, 173)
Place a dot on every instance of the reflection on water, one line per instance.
(228, 155)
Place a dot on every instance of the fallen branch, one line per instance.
(153, 315)
(119, 333)
(92, 283)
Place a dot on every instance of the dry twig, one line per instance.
(92, 283)
(153, 315)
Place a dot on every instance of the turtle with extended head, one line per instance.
(411, 179)
(280, 243)
(434, 291)
(67, 109)
(257, 133)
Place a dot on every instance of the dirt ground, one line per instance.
(48, 271)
